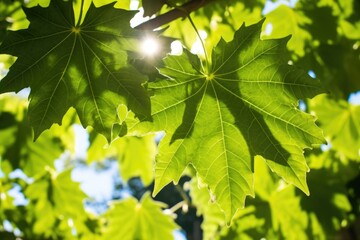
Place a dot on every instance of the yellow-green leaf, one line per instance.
(219, 120)
(129, 219)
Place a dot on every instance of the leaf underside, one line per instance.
(75, 65)
(218, 121)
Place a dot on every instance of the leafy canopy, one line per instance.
(232, 116)
(217, 118)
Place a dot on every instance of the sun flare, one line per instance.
(150, 47)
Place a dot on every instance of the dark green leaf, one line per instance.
(67, 64)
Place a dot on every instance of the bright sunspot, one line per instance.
(150, 47)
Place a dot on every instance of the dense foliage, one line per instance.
(236, 115)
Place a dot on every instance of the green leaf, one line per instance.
(136, 155)
(287, 214)
(285, 21)
(138, 158)
(17, 146)
(151, 7)
(330, 191)
(11, 17)
(91, 228)
(55, 196)
(219, 121)
(130, 219)
(84, 66)
(323, 23)
(275, 213)
(213, 216)
(341, 123)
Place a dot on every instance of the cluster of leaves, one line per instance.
(230, 114)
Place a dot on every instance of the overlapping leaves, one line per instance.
(81, 65)
(17, 145)
(245, 105)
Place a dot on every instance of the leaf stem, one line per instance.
(202, 44)
(177, 206)
(182, 194)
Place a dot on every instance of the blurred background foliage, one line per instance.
(40, 193)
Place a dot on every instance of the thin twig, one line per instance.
(202, 44)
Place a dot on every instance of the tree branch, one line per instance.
(176, 13)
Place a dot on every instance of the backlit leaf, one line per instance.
(55, 197)
(136, 155)
(218, 121)
(80, 65)
(284, 21)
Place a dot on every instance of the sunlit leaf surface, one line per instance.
(218, 120)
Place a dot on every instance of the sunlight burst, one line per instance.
(150, 47)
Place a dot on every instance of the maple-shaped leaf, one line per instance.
(53, 197)
(218, 121)
(81, 65)
(129, 219)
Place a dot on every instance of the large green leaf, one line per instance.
(130, 219)
(80, 65)
(246, 105)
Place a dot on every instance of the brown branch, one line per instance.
(176, 13)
